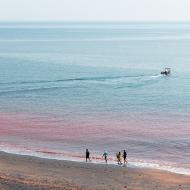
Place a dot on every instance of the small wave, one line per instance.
(160, 166)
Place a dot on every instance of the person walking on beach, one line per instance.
(125, 157)
(118, 156)
(87, 155)
(105, 155)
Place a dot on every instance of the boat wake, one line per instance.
(132, 81)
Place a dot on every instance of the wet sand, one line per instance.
(31, 173)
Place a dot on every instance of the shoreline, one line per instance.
(97, 159)
(29, 172)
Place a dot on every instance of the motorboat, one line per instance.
(166, 71)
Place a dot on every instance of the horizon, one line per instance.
(95, 21)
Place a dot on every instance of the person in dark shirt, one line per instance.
(87, 155)
(125, 157)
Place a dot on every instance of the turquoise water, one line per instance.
(65, 87)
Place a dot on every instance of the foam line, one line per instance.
(96, 159)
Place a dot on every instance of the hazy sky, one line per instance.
(122, 10)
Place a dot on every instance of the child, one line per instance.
(105, 155)
(118, 156)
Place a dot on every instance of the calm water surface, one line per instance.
(65, 87)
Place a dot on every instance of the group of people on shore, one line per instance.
(119, 157)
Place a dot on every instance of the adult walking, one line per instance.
(125, 157)
(87, 155)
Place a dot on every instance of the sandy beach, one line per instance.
(31, 173)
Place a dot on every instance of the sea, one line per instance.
(68, 86)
